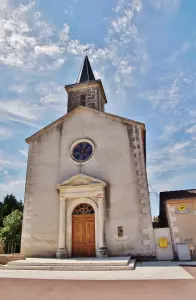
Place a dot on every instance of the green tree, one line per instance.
(156, 219)
(9, 204)
(12, 226)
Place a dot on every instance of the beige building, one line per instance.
(86, 186)
(178, 211)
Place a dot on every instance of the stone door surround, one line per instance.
(82, 189)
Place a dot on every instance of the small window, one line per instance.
(83, 100)
(120, 231)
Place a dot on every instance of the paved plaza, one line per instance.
(28, 289)
(150, 280)
(144, 271)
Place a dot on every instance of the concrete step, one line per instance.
(130, 266)
(110, 261)
(80, 264)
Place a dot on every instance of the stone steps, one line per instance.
(130, 266)
(91, 264)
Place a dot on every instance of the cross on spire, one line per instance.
(86, 51)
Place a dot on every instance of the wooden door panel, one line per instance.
(83, 235)
(78, 233)
(90, 233)
(90, 238)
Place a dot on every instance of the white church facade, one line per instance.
(86, 186)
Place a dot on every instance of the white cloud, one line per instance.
(24, 152)
(119, 6)
(18, 88)
(136, 5)
(122, 28)
(24, 36)
(5, 133)
(174, 162)
(18, 108)
(175, 157)
(169, 5)
(176, 182)
(45, 30)
(168, 130)
(69, 11)
(52, 96)
(128, 55)
(55, 65)
(121, 23)
(10, 161)
(124, 67)
(12, 183)
(64, 33)
(14, 41)
(191, 129)
(21, 112)
(179, 146)
(183, 49)
(50, 50)
(75, 47)
(165, 97)
(13, 186)
(19, 120)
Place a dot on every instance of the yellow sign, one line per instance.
(163, 242)
(182, 207)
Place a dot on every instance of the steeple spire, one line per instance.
(87, 91)
(86, 73)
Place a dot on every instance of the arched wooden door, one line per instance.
(83, 231)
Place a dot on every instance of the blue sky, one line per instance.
(144, 52)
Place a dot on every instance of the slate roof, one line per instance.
(87, 72)
(171, 195)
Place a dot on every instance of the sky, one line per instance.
(142, 50)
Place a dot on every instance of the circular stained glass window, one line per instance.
(82, 151)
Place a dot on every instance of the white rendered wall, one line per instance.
(50, 163)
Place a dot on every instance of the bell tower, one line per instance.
(87, 91)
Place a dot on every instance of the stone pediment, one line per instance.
(81, 180)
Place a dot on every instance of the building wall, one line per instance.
(117, 160)
(182, 224)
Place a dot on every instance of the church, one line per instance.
(86, 192)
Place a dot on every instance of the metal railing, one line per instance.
(12, 248)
